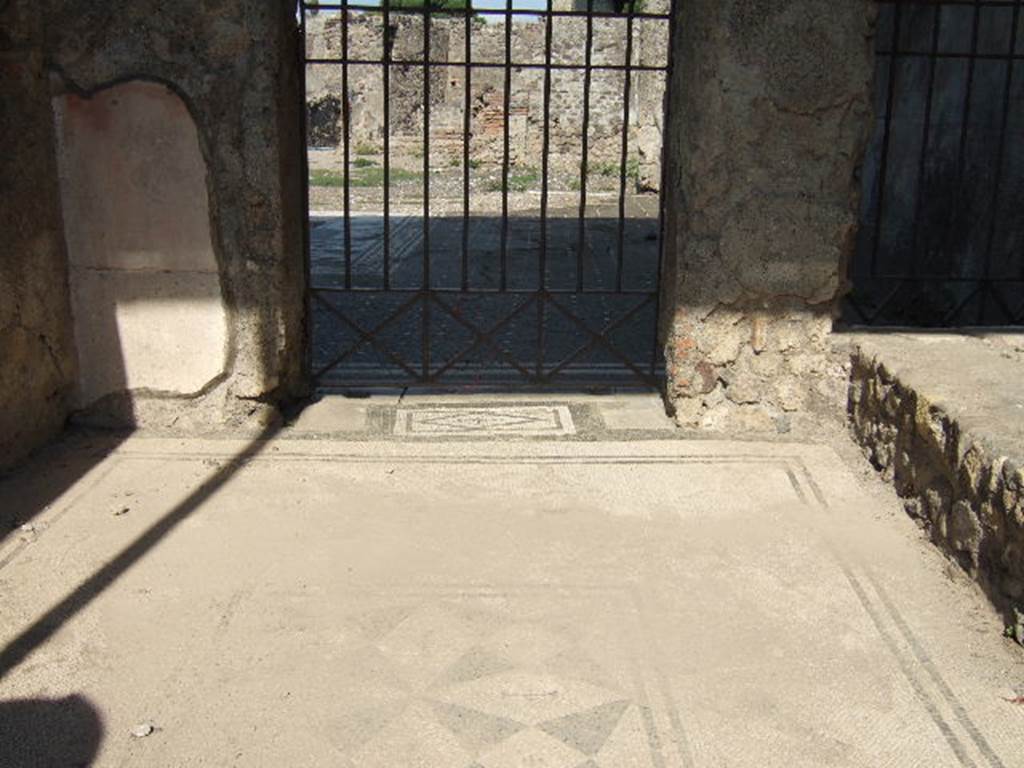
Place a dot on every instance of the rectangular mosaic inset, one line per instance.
(528, 420)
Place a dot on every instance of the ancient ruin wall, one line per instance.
(771, 110)
(526, 106)
(37, 357)
(233, 64)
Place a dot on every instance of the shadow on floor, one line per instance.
(45, 733)
(34, 486)
(40, 631)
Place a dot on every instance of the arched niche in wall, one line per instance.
(145, 286)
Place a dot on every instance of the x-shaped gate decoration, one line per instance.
(540, 373)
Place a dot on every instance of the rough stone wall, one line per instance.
(37, 358)
(234, 64)
(968, 496)
(526, 107)
(771, 110)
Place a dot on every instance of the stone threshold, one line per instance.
(941, 417)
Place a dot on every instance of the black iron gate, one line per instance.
(524, 274)
(941, 240)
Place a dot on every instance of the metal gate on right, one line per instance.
(941, 241)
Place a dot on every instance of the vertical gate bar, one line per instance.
(986, 286)
(539, 371)
(581, 233)
(663, 155)
(623, 159)
(542, 259)
(307, 352)
(506, 97)
(883, 167)
(545, 151)
(466, 135)
(926, 136)
(386, 5)
(426, 193)
(347, 123)
(962, 149)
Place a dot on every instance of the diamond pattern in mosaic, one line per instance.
(473, 687)
(476, 731)
(413, 739)
(528, 697)
(425, 643)
(531, 748)
(525, 420)
(587, 731)
(629, 745)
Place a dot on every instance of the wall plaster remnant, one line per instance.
(235, 66)
(145, 289)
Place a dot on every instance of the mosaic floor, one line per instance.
(502, 603)
(396, 415)
(531, 420)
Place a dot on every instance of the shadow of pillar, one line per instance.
(49, 732)
(43, 628)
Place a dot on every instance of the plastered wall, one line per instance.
(188, 272)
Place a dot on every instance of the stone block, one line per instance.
(936, 446)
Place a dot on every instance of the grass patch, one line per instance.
(604, 169)
(366, 149)
(362, 176)
(374, 177)
(363, 162)
(611, 170)
(325, 177)
(633, 170)
(522, 181)
(474, 162)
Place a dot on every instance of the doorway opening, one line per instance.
(485, 191)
